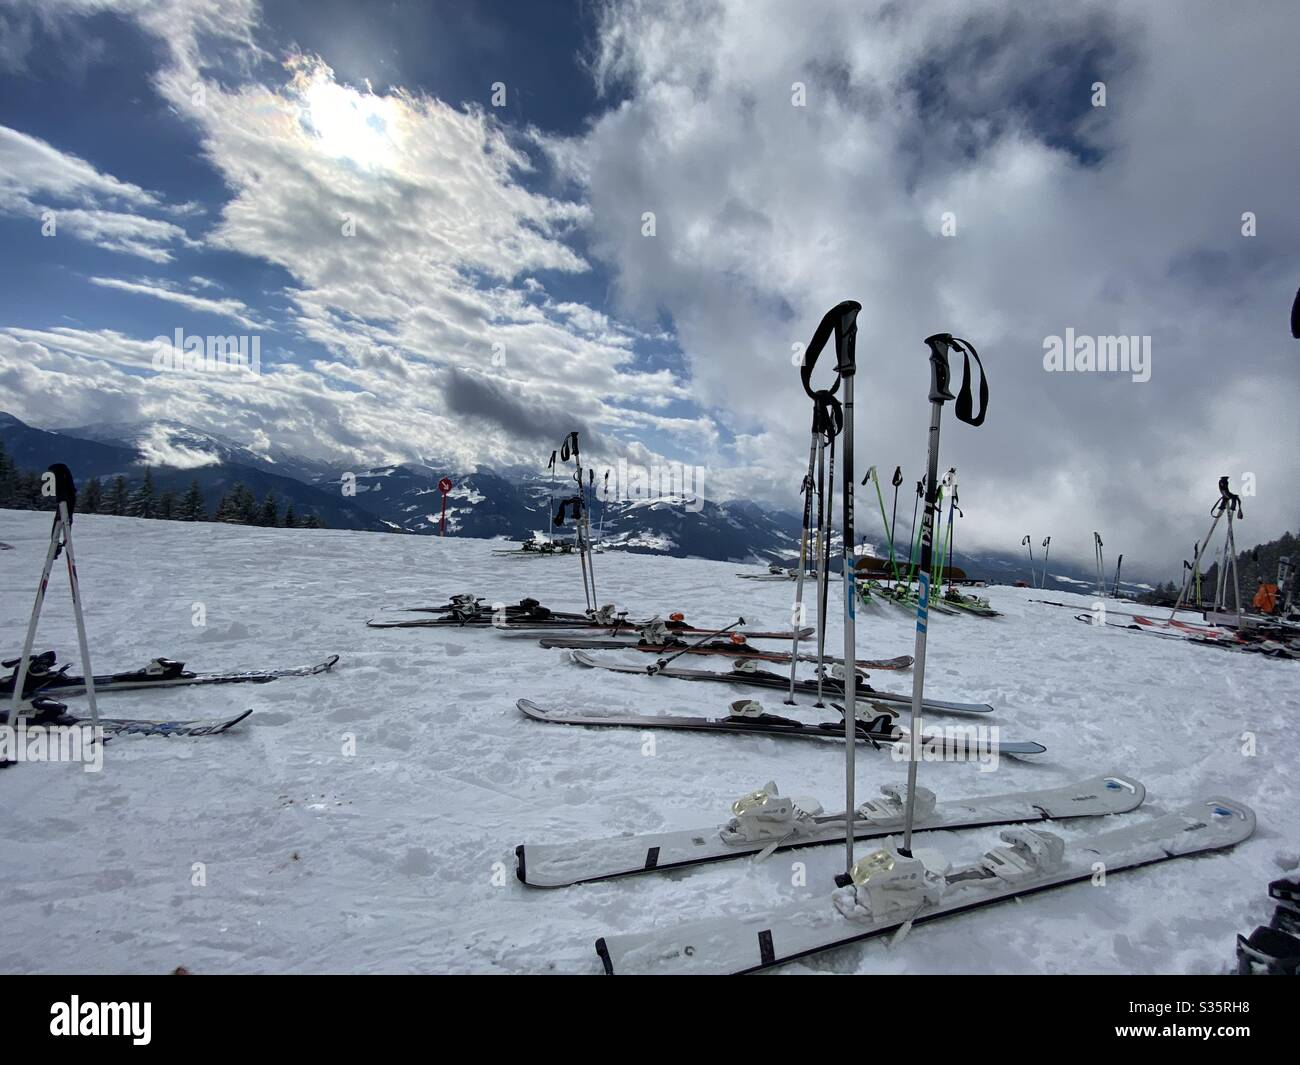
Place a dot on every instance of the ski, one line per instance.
(890, 891)
(532, 627)
(755, 678)
(53, 713)
(720, 647)
(160, 674)
(1268, 648)
(767, 822)
(114, 726)
(961, 742)
(905, 597)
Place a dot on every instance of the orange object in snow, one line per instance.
(1266, 598)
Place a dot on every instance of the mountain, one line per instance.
(176, 445)
(35, 449)
(484, 502)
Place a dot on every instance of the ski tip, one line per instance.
(1229, 809)
(605, 960)
(329, 663)
(521, 865)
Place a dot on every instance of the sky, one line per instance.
(459, 231)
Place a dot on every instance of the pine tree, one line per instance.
(91, 497)
(269, 516)
(118, 497)
(8, 479)
(312, 522)
(168, 506)
(290, 517)
(191, 507)
(27, 492)
(245, 504)
(143, 504)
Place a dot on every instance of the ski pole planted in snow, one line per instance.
(1047, 548)
(1027, 542)
(841, 320)
(1101, 572)
(65, 494)
(941, 344)
(827, 424)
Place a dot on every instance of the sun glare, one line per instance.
(348, 124)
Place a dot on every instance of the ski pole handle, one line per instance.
(939, 371)
(941, 379)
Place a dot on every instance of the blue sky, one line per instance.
(431, 274)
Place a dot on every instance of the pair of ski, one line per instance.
(943, 603)
(1033, 860)
(739, 649)
(532, 623)
(162, 673)
(1196, 634)
(961, 743)
(756, 678)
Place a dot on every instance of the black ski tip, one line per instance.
(329, 663)
(605, 959)
(521, 867)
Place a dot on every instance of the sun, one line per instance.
(347, 124)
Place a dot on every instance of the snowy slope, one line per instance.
(399, 858)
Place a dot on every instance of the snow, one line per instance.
(399, 857)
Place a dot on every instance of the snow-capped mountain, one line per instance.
(513, 503)
(107, 458)
(176, 445)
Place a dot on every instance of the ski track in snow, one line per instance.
(400, 858)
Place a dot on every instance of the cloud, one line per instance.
(421, 252)
(227, 308)
(31, 170)
(1123, 219)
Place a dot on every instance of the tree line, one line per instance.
(21, 490)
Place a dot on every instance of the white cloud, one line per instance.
(227, 308)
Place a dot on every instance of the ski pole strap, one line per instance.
(898, 476)
(842, 321)
(65, 491)
(1228, 500)
(570, 447)
(828, 413)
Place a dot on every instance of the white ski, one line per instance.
(795, 824)
(1035, 861)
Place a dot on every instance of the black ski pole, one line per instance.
(797, 615)
(893, 520)
(827, 423)
(1027, 542)
(940, 345)
(841, 320)
(1101, 574)
(1047, 547)
(911, 551)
